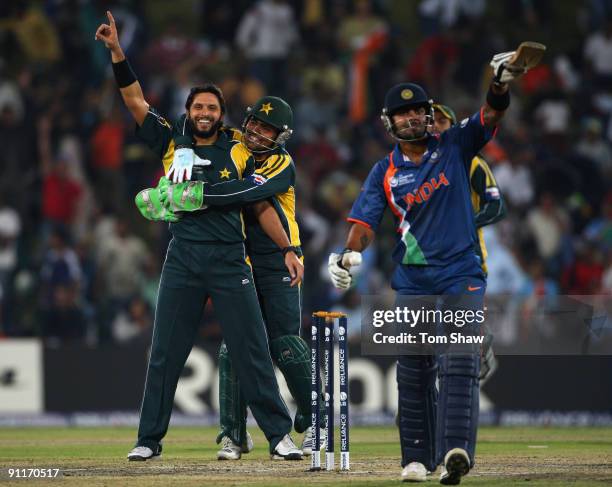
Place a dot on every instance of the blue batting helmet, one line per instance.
(404, 95)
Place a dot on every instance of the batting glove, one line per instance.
(182, 164)
(503, 71)
(339, 265)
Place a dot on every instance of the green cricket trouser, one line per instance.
(192, 273)
(281, 304)
(281, 308)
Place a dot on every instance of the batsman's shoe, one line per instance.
(414, 472)
(286, 450)
(143, 453)
(308, 440)
(456, 465)
(248, 445)
(229, 450)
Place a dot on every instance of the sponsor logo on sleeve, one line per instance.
(258, 179)
(492, 193)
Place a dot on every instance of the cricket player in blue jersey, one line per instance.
(489, 208)
(425, 181)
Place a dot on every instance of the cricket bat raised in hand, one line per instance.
(528, 55)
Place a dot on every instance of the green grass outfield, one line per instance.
(96, 457)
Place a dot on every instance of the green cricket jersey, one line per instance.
(487, 202)
(230, 160)
(272, 179)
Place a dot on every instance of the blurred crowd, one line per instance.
(77, 262)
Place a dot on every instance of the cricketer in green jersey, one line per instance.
(266, 127)
(206, 259)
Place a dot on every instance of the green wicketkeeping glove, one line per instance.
(148, 202)
(187, 196)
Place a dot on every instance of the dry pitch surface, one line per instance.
(96, 457)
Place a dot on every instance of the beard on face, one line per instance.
(204, 134)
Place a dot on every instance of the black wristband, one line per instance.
(498, 102)
(183, 141)
(123, 73)
(291, 248)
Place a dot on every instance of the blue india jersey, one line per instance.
(431, 202)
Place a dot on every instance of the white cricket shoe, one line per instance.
(248, 444)
(286, 450)
(229, 450)
(143, 453)
(308, 440)
(414, 472)
(456, 465)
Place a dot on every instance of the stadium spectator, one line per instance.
(36, 35)
(515, 178)
(60, 194)
(266, 35)
(594, 147)
(319, 155)
(18, 158)
(549, 224)
(10, 229)
(122, 259)
(362, 35)
(135, 322)
(62, 317)
(505, 274)
(598, 54)
(434, 62)
(584, 275)
(599, 231)
(440, 14)
(107, 161)
(50, 72)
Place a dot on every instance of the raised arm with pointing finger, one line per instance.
(130, 88)
(134, 99)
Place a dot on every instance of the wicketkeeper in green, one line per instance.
(206, 259)
(267, 126)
